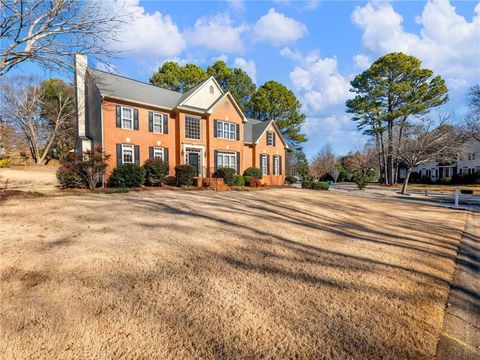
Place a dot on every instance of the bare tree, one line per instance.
(471, 124)
(49, 33)
(427, 141)
(22, 101)
(334, 172)
(323, 162)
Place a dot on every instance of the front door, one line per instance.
(193, 160)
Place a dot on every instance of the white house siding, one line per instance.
(203, 97)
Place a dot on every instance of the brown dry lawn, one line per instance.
(275, 274)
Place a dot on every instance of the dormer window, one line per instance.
(212, 90)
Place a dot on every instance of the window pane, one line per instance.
(192, 128)
(127, 113)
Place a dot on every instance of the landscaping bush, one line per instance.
(69, 177)
(127, 176)
(290, 179)
(5, 163)
(247, 179)
(361, 180)
(254, 172)
(238, 180)
(255, 183)
(227, 174)
(315, 185)
(445, 181)
(155, 171)
(184, 175)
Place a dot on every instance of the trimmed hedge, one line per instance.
(247, 179)
(227, 174)
(155, 171)
(184, 175)
(127, 176)
(315, 185)
(290, 179)
(239, 180)
(254, 172)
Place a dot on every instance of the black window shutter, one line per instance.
(150, 152)
(135, 119)
(215, 122)
(165, 123)
(165, 155)
(137, 154)
(280, 164)
(119, 154)
(150, 121)
(215, 160)
(238, 162)
(268, 164)
(273, 136)
(238, 131)
(118, 121)
(260, 164)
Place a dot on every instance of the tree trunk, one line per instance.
(405, 182)
(390, 153)
(384, 159)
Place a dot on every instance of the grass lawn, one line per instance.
(273, 274)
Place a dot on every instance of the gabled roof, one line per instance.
(119, 87)
(232, 99)
(254, 129)
(188, 94)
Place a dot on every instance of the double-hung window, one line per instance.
(192, 128)
(276, 165)
(127, 154)
(158, 153)
(226, 130)
(127, 118)
(157, 123)
(227, 159)
(263, 164)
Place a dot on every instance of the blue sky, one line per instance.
(313, 47)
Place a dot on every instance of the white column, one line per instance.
(80, 72)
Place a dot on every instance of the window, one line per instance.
(269, 138)
(226, 130)
(212, 90)
(127, 154)
(471, 156)
(158, 152)
(127, 118)
(276, 165)
(263, 164)
(192, 128)
(227, 159)
(157, 123)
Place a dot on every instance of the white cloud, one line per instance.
(277, 29)
(362, 62)
(144, 33)
(447, 43)
(237, 5)
(248, 66)
(217, 33)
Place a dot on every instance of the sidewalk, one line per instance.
(460, 337)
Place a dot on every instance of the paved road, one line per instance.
(460, 339)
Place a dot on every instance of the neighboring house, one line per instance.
(203, 127)
(468, 162)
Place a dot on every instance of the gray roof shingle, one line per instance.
(253, 129)
(117, 86)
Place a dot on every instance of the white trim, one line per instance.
(202, 155)
(133, 153)
(161, 122)
(199, 126)
(132, 119)
(223, 131)
(271, 122)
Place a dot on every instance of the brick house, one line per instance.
(203, 127)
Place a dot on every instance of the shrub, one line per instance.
(254, 172)
(69, 177)
(315, 185)
(127, 176)
(238, 180)
(91, 165)
(184, 175)
(445, 181)
(155, 171)
(247, 179)
(5, 163)
(307, 184)
(255, 183)
(227, 174)
(290, 179)
(361, 180)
